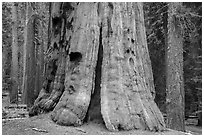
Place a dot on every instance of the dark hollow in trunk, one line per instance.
(75, 56)
(94, 110)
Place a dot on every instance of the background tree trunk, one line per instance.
(34, 58)
(15, 67)
(33, 61)
(25, 52)
(95, 59)
(39, 56)
(30, 61)
(174, 69)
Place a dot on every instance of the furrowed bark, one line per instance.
(81, 62)
(46, 101)
(56, 55)
(126, 100)
(143, 49)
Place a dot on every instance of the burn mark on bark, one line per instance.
(99, 8)
(128, 30)
(132, 40)
(109, 18)
(75, 58)
(69, 24)
(55, 46)
(68, 6)
(133, 52)
(131, 62)
(110, 4)
(51, 76)
(57, 23)
(128, 51)
(71, 89)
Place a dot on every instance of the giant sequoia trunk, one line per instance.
(98, 67)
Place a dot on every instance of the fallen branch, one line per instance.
(9, 119)
(81, 130)
(40, 130)
(186, 133)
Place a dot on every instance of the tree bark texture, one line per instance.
(102, 69)
(126, 99)
(14, 71)
(174, 69)
(39, 56)
(142, 41)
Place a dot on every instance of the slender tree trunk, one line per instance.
(33, 63)
(98, 57)
(34, 58)
(25, 52)
(49, 26)
(174, 70)
(19, 58)
(41, 58)
(30, 68)
(15, 67)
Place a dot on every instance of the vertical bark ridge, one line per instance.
(58, 86)
(140, 31)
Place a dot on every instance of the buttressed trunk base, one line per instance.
(104, 73)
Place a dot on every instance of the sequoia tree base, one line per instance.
(101, 74)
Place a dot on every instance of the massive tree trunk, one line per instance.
(174, 69)
(14, 66)
(99, 67)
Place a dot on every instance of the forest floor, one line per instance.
(15, 123)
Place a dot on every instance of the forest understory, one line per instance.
(17, 122)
